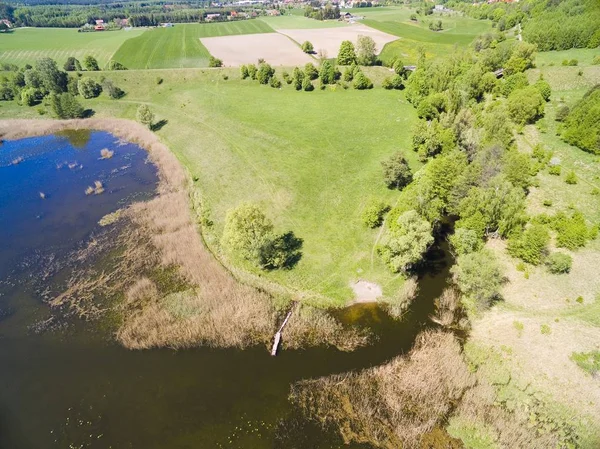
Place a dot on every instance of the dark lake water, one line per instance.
(76, 388)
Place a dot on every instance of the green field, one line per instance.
(26, 45)
(584, 56)
(457, 30)
(180, 45)
(294, 22)
(311, 159)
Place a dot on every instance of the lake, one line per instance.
(72, 386)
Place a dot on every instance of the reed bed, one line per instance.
(220, 311)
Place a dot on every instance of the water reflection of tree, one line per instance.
(78, 138)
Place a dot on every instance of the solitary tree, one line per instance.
(307, 47)
(145, 116)
(247, 230)
(366, 50)
(396, 172)
(346, 56)
(66, 106)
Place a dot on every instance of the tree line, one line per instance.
(45, 84)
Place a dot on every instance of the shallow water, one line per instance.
(76, 387)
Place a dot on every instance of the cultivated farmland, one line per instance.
(329, 39)
(274, 48)
(26, 45)
(180, 45)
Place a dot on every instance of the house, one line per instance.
(166, 25)
(273, 12)
(211, 17)
(6, 22)
(99, 25)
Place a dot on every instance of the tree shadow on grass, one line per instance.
(158, 125)
(283, 252)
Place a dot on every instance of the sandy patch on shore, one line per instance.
(274, 48)
(365, 291)
(329, 39)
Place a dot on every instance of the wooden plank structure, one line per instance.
(277, 339)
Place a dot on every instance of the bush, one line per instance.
(310, 71)
(531, 245)
(244, 72)
(587, 361)
(366, 51)
(307, 47)
(479, 278)
(88, 88)
(251, 71)
(327, 73)
(361, 82)
(72, 65)
(144, 115)
(215, 62)
(394, 82)
(581, 126)
(570, 62)
(562, 112)
(90, 64)
(525, 105)
(113, 91)
(66, 106)
(572, 232)
(571, 178)
(307, 85)
(114, 65)
(544, 89)
(264, 74)
(159, 80)
(554, 170)
(396, 172)
(346, 55)
(275, 82)
(286, 77)
(373, 213)
(559, 263)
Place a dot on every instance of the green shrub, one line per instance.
(571, 178)
(215, 62)
(562, 113)
(479, 278)
(244, 72)
(559, 263)
(247, 230)
(530, 245)
(66, 106)
(525, 105)
(581, 127)
(587, 361)
(544, 89)
(547, 203)
(251, 68)
(310, 71)
(579, 300)
(361, 82)
(554, 170)
(372, 215)
(144, 115)
(307, 47)
(114, 65)
(307, 85)
(265, 72)
(393, 82)
(275, 82)
(519, 327)
(286, 77)
(30, 96)
(88, 88)
(570, 62)
(159, 80)
(572, 232)
(396, 172)
(545, 329)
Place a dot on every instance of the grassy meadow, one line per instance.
(299, 22)
(312, 160)
(26, 45)
(180, 45)
(457, 30)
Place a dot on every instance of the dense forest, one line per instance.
(550, 24)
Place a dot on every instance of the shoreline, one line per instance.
(228, 308)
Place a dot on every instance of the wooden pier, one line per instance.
(277, 339)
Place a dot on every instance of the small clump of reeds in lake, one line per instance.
(97, 189)
(105, 153)
(42, 195)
